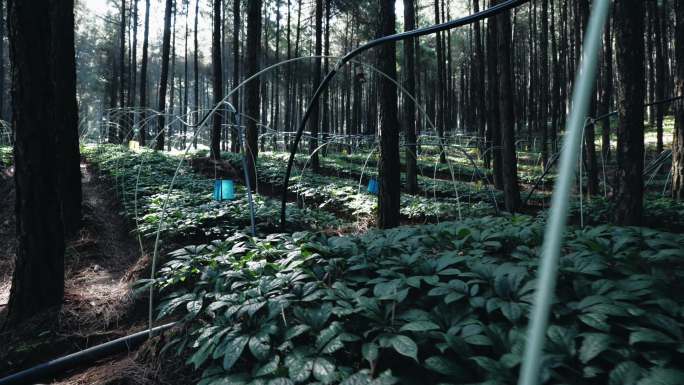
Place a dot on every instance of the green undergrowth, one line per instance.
(659, 213)
(433, 304)
(190, 209)
(6, 157)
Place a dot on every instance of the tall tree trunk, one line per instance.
(123, 122)
(678, 139)
(544, 80)
(660, 75)
(325, 121)
(38, 279)
(556, 83)
(217, 65)
(196, 107)
(134, 68)
(314, 120)
(66, 112)
(252, 88)
(389, 164)
(477, 81)
(493, 124)
(409, 106)
(606, 94)
(629, 31)
(143, 73)
(2, 60)
(507, 117)
(439, 102)
(236, 70)
(172, 74)
(186, 75)
(163, 80)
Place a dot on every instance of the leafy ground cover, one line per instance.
(191, 210)
(5, 156)
(444, 303)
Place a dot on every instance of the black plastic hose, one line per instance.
(492, 11)
(59, 365)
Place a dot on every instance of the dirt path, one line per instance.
(101, 264)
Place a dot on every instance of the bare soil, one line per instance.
(101, 264)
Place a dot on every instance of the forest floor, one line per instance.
(101, 264)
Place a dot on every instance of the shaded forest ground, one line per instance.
(101, 264)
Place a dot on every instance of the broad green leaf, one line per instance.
(419, 326)
(443, 365)
(233, 351)
(649, 336)
(625, 373)
(404, 346)
(324, 370)
(593, 345)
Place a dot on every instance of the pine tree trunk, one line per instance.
(252, 88)
(660, 76)
(606, 94)
(234, 141)
(507, 117)
(66, 112)
(2, 60)
(409, 106)
(314, 120)
(123, 120)
(143, 74)
(493, 125)
(163, 80)
(678, 143)
(389, 164)
(629, 31)
(216, 61)
(544, 81)
(38, 278)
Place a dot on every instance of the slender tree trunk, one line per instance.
(493, 124)
(557, 86)
(678, 139)
(186, 75)
(236, 71)
(196, 107)
(38, 278)
(629, 30)
(660, 76)
(217, 65)
(134, 67)
(439, 103)
(507, 117)
(123, 122)
(172, 92)
(409, 106)
(143, 74)
(314, 120)
(163, 81)
(606, 90)
(2, 59)
(389, 164)
(252, 88)
(544, 80)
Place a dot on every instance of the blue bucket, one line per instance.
(224, 190)
(373, 186)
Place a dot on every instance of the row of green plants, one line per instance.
(432, 304)
(348, 198)
(142, 180)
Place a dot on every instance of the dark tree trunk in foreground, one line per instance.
(388, 166)
(218, 82)
(163, 80)
(507, 118)
(2, 60)
(143, 72)
(196, 105)
(629, 32)
(38, 280)
(314, 120)
(678, 144)
(236, 70)
(66, 115)
(252, 88)
(409, 106)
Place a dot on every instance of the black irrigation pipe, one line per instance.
(59, 365)
(593, 121)
(492, 11)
